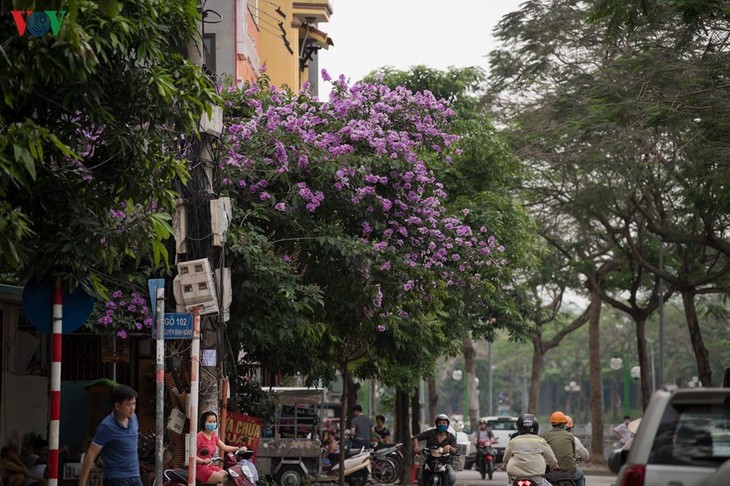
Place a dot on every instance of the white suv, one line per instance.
(683, 438)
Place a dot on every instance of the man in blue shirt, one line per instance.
(116, 440)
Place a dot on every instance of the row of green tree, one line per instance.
(511, 365)
(618, 111)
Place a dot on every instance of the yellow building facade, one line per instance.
(289, 38)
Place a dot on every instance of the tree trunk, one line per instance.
(646, 388)
(343, 426)
(433, 400)
(538, 363)
(415, 413)
(352, 394)
(704, 371)
(403, 430)
(595, 376)
(470, 377)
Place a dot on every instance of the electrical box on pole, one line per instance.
(221, 213)
(194, 286)
(213, 124)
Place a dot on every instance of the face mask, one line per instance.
(442, 427)
(210, 426)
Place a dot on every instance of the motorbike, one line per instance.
(387, 463)
(238, 473)
(357, 469)
(435, 471)
(524, 482)
(384, 470)
(485, 457)
(560, 478)
(532, 482)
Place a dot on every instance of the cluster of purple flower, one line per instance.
(364, 148)
(125, 312)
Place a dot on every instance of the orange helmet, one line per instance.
(569, 422)
(558, 418)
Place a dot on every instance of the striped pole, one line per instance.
(53, 431)
(160, 382)
(193, 413)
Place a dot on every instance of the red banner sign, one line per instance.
(240, 426)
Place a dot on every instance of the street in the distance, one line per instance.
(469, 478)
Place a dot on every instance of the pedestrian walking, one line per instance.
(116, 440)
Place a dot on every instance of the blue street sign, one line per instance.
(38, 306)
(154, 284)
(178, 325)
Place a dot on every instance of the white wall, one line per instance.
(24, 406)
(24, 402)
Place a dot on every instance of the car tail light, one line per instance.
(633, 475)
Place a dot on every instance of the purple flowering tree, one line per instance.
(340, 192)
(123, 313)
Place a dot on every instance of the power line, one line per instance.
(278, 8)
(278, 24)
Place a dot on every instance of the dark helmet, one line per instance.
(442, 416)
(527, 424)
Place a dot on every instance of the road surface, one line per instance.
(472, 478)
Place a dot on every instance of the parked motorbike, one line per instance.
(435, 471)
(357, 469)
(383, 469)
(243, 459)
(238, 475)
(387, 463)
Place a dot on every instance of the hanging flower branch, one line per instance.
(124, 313)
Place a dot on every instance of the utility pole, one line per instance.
(201, 222)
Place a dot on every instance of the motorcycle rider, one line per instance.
(563, 445)
(528, 454)
(439, 437)
(580, 449)
(483, 434)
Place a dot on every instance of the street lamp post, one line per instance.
(571, 388)
(616, 364)
(457, 375)
(635, 373)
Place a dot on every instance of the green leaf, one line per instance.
(110, 8)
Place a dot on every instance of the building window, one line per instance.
(209, 53)
(83, 360)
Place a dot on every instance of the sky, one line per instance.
(369, 34)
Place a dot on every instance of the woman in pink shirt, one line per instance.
(207, 443)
